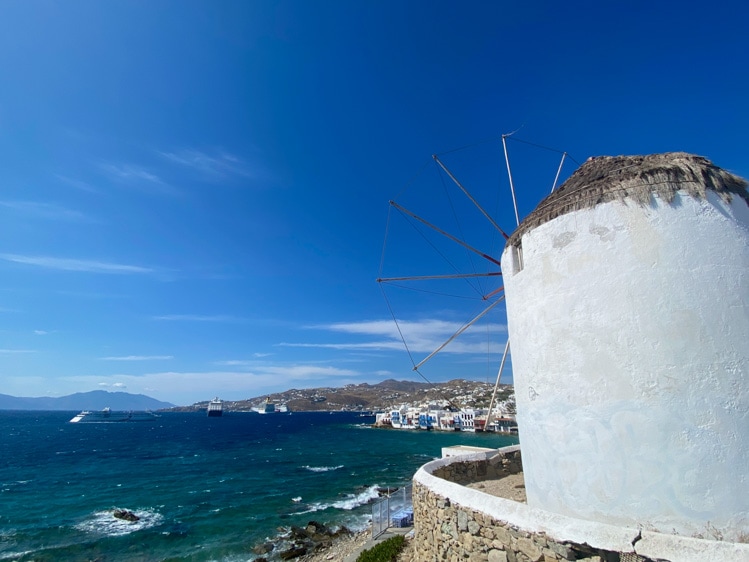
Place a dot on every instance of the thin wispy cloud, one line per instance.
(373, 345)
(66, 264)
(41, 332)
(187, 387)
(113, 385)
(126, 172)
(48, 211)
(237, 363)
(92, 295)
(197, 318)
(244, 362)
(138, 358)
(12, 351)
(138, 177)
(216, 166)
(78, 184)
(422, 336)
(301, 372)
(389, 328)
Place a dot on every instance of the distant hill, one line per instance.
(94, 400)
(458, 393)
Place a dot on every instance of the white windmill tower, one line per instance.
(627, 294)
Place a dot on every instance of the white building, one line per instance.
(628, 310)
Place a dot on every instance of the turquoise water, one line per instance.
(204, 488)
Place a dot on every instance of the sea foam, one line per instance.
(105, 523)
(322, 468)
(351, 501)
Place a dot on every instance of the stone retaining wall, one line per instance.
(453, 523)
(491, 467)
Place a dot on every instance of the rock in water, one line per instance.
(125, 515)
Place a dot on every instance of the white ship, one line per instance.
(215, 408)
(270, 408)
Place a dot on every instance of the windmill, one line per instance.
(464, 210)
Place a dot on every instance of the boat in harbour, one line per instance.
(269, 407)
(108, 416)
(215, 408)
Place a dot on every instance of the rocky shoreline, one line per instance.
(297, 542)
(315, 541)
(318, 543)
(341, 548)
(347, 548)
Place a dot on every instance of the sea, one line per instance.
(204, 489)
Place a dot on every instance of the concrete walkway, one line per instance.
(391, 532)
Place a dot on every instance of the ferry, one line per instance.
(107, 415)
(215, 408)
(271, 408)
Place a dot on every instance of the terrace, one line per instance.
(472, 506)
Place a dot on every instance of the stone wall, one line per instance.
(463, 534)
(447, 531)
(493, 467)
(454, 523)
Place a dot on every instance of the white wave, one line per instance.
(105, 523)
(314, 507)
(9, 485)
(358, 523)
(351, 501)
(322, 468)
(14, 555)
(297, 499)
(355, 500)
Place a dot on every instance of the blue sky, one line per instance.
(195, 194)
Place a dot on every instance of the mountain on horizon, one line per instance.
(94, 400)
(458, 393)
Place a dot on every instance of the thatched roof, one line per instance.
(637, 178)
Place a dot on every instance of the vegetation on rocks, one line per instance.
(386, 551)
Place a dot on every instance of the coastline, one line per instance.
(346, 548)
(183, 484)
(342, 548)
(318, 542)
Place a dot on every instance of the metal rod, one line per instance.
(456, 334)
(425, 277)
(494, 292)
(450, 236)
(553, 187)
(512, 186)
(496, 385)
(464, 190)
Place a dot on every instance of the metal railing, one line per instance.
(394, 510)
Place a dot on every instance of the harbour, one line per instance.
(201, 490)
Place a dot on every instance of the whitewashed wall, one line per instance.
(630, 351)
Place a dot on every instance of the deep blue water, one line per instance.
(204, 488)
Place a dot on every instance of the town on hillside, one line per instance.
(458, 404)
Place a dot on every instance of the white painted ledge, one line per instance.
(561, 528)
